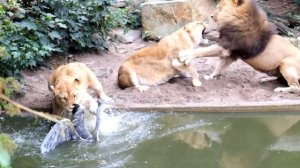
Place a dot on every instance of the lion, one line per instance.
(159, 63)
(246, 33)
(69, 84)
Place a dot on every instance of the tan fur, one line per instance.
(69, 84)
(274, 55)
(157, 64)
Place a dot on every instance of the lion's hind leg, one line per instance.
(290, 72)
(136, 82)
(187, 70)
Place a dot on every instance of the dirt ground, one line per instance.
(239, 82)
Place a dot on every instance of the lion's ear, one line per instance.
(55, 91)
(238, 2)
(186, 29)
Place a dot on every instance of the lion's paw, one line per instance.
(93, 107)
(185, 55)
(209, 77)
(267, 79)
(143, 88)
(106, 98)
(279, 89)
(197, 83)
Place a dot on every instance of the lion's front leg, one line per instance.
(97, 86)
(222, 64)
(186, 56)
(58, 109)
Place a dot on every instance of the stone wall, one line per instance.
(161, 17)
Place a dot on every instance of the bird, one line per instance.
(84, 125)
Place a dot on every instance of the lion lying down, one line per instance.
(246, 33)
(157, 64)
(69, 84)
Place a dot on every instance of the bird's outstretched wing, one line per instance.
(59, 133)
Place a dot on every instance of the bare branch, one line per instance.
(47, 116)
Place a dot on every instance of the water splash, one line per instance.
(286, 143)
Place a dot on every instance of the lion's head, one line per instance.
(233, 10)
(244, 27)
(195, 30)
(66, 92)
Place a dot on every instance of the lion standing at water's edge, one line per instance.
(69, 84)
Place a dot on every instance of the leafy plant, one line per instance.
(7, 146)
(125, 18)
(146, 35)
(7, 88)
(39, 30)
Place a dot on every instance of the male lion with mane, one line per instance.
(246, 33)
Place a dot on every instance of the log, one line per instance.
(283, 24)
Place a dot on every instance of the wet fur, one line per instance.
(69, 84)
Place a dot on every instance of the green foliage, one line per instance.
(146, 35)
(7, 143)
(47, 27)
(7, 147)
(7, 87)
(125, 18)
(3, 52)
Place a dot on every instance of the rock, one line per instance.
(118, 3)
(128, 37)
(202, 9)
(137, 3)
(103, 72)
(160, 18)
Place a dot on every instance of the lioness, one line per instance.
(69, 84)
(246, 33)
(158, 63)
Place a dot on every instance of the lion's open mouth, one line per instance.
(203, 33)
(204, 39)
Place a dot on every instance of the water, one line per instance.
(166, 140)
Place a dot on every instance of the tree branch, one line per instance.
(47, 116)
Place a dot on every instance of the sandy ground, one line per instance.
(239, 83)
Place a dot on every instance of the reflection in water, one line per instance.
(163, 140)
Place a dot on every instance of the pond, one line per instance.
(167, 140)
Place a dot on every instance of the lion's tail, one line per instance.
(124, 80)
